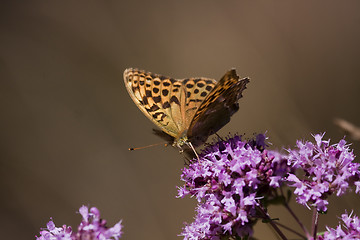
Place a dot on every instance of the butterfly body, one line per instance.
(189, 110)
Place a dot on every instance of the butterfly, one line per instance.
(188, 110)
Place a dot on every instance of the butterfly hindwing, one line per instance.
(216, 110)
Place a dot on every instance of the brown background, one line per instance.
(67, 120)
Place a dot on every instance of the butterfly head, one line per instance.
(181, 141)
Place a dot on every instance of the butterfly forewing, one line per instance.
(196, 90)
(150, 92)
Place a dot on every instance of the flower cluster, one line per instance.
(234, 182)
(91, 227)
(350, 230)
(228, 181)
(326, 169)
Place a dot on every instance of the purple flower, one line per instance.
(91, 227)
(325, 169)
(348, 229)
(228, 181)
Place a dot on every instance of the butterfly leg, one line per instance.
(219, 137)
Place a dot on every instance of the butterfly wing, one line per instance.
(171, 104)
(215, 111)
(158, 97)
(195, 90)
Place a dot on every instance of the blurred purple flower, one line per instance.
(91, 227)
(326, 169)
(348, 229)
(228, 181)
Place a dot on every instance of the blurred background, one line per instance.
(67, 120)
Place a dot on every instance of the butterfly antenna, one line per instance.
(151, 145)
(192, 148)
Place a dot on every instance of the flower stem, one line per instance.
(315, 222)
(296, 218)
(275, 227)
(291, 230)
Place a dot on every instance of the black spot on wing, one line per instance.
(154, 108)
(195, 100)
(209, 82)
(157, 99)
(163, 115)
(175, 100)
(165, 92)
(166, 105)
(156, 115)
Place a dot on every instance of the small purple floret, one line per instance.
(91, 227)
(324, 170)
(348, 229)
